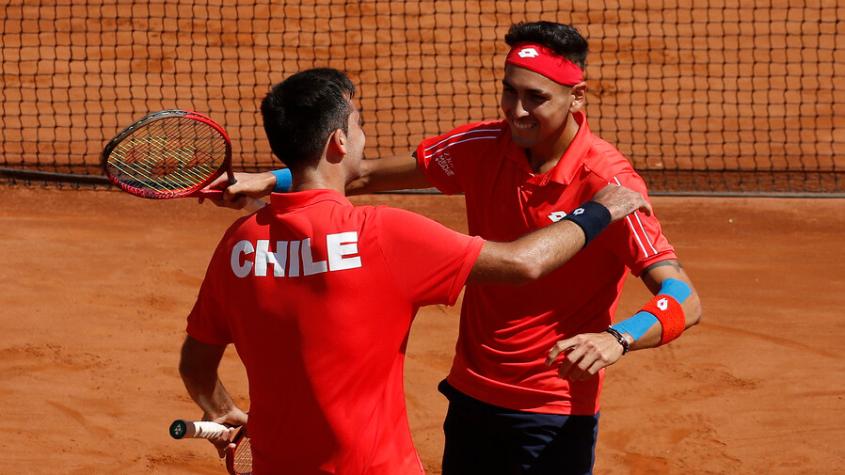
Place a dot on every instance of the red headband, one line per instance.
(543, 60)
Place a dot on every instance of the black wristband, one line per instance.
(626, 347)
(591, 217)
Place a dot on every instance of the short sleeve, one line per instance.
(638, 240)
(429, 261)
(448, 159)
(206, 322)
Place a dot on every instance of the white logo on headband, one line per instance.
(528, 53)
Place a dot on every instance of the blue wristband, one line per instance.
(283, 180)
(677, 289)
(637, 325)
(640, 322)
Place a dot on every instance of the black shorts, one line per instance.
(481, 438)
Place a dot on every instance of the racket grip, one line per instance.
(182, 429)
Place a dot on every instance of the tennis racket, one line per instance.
(238, 460)
(171, 154)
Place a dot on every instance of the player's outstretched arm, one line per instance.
(674, 308)
(253, 185)
(388, 174)
(384, 174)
(198, 367)
(540, 252)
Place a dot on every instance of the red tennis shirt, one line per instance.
(318, 296)
(506, 331)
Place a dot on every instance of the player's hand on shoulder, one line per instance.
(621, 201)
(254, 185)
(582, 356)
(236, 419)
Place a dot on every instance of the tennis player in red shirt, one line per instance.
(525, 382)
(318, 295)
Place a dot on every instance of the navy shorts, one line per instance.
(481, 438)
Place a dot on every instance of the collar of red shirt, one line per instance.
(570, 162)
(283, 202)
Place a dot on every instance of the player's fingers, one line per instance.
(220, 446)
(570, 363)
(235, 189)
(565, 369)
(578, 373)
(583, 370)
(229, 447)
(558, 348)
(246, 185)
(218, 183)
(231, 196)
(596, 367)
(229, 200)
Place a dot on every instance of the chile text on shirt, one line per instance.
(341, 254)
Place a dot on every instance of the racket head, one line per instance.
(239, 459)
(168, 154)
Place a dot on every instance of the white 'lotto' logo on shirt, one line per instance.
(528, 53)
(341, 250)
(556, 216)
(444, 161)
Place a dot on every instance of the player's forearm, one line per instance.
(675, 308)
(198, 368)
(652, 337)
(546, 249)
(388, 174)
(529, 257)
(540, 252)
(213, 399)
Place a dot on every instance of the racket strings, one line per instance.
(242, 462)
(162, 157)
(149, 175)
(169, 155)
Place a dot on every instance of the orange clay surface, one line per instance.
(95, 286)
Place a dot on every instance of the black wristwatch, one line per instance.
(626, 347)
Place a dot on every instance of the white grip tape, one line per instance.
(206, 429)
(181, 429)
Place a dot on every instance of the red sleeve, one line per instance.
(429, 261)
(638, 240)
(206, 322)
(448, 159)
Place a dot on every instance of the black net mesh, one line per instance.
(702, 96)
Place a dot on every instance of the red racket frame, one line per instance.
(194, 191)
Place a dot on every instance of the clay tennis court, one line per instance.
(96, 287)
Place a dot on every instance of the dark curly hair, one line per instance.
(562, 39)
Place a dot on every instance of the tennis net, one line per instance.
(703, 97)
